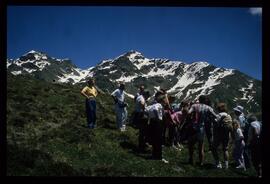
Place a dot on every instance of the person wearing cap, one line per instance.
(244, 125)
(155, 113)
(120, 106)
(238, 110)
(90, 92)
(254, 143)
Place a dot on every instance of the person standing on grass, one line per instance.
(254, 143)
(141, 119)
(120, 107)
(244, 125)
(222, 130)
(209, 127)
(239, 145)
(90, 92)
(155, 113)
(198, 113)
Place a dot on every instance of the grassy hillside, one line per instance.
(46, 136)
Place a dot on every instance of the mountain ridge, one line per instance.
(185, 81)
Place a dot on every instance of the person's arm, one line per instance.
(114, 97)
(99, 90)
(83, 92)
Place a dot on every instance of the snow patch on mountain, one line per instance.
(73, 76)
(16, 72)
(124, 78)
(247, 91)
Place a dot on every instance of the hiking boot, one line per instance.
(219, 166)
(241, 166)
(180, 146)
(164, 161)
(174, 147)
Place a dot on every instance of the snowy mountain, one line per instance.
(185, 81)
(42, 66)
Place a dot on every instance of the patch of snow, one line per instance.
(8, 64)
(42, 64)
(126, 78)
(76, 78)
(32, 52)
(29, 70)
(113, 71)
(188, 78)
(106, 67)
(105, 61)
(16, 72)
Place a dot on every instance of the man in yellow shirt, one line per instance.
(90, 92)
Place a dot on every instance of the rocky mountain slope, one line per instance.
(185, 81)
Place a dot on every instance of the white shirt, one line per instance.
(238, 134)
(241, 119)
(119, 94)
(255, 127)
(139, 101)
(155, 107)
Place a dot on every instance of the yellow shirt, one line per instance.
(90, 91)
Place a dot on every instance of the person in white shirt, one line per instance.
(141, 119)
(244, 125)
(239, 145)
(155, 113)
(120, 106)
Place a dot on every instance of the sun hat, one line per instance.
(239, 108)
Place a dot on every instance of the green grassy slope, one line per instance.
(46, 136)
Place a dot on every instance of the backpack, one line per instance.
(225, 121)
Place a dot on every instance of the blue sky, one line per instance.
(224, 37)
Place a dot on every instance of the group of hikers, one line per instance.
(188, 121)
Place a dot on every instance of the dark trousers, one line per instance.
(221, 136)
(90, 105)
(256, 154)
(155, 127)
(173, 134)
(246, 157)
(209, 134)
(143, 130)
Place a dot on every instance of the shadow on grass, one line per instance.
(136, 151)
(26, 162)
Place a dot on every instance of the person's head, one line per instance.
(235, 124)
(141, 88)
(202, 99)
(238, 110)
(146, 94)
(222, 107)
(160, 98)
(91, 82)
(121, 86)
(251, 118)
(208, 101)
(184, 106)
(171, 99)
